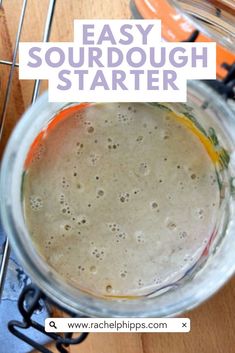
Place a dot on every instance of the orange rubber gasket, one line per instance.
(63, 114)
(176, 28)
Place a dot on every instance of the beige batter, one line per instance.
(121, 199)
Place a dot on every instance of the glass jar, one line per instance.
(198, 20)
(209, 113)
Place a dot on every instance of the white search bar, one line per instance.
(117, 325)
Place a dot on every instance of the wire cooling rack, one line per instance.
(7, 94)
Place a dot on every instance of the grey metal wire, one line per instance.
(6, 62)
(4, 263)
(13, 64)
(46, 36)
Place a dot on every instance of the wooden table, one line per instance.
(213, 323)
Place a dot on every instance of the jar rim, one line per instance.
(60, 292)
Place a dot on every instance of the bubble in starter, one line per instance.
(38, 152)
(82, 220)
(79, 186)
(67, 227)
(200, 213)
(65, 183)
(109, 288)
(183, 235)
(139, 138)
(93, 159)
(98, 254)
(36, 202)
(171, 225)
(112, 145)
(139, 236)
(100, 193)
(123, 274)
(125, 117)
(79, 148)
(136, 191)
(90, 129)
(157, 280)
(120, 236)
(154, 205)
(124, 197)
(143, 169)
(165, 135)
(81, 268)
(62, 199)
(66, 210)
(113, 227)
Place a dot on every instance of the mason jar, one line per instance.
(205, 110)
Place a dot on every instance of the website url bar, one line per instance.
(117, 325)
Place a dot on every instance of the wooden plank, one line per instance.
(16, 104)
